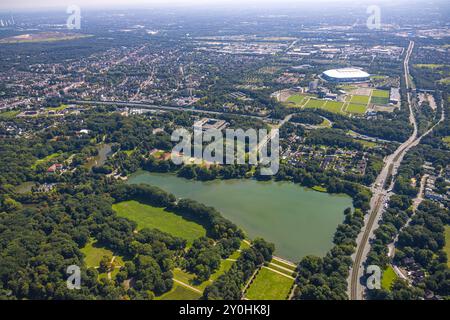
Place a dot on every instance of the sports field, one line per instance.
(379, 100)
(380, 93)
(147, 216)
(356, 108)
(269, 285)
(296, 99)
(360, 99)
(314, 103)
(333, 106)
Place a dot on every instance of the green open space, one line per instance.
(147, 216)
(359, 99)
(296, 99)
(283, 264)
(269, 285)
(379, 100)
(179, 292)
(356, 108)
(93, 254)
(314, 103)
(188, 278)
(333, 106)
(380, 93)
(388, 278)
(46, 159)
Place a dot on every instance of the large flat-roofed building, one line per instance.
(394, 97)
(208, 123)
(346, 75)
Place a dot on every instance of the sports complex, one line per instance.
(346, 75)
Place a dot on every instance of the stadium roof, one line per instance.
(346, 73)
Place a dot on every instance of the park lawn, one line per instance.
(388, 278)
(93, 253)
(356, 108)
(281, 269)
(379, 100)
(269, 285)
(45, 160)
(447, 244)
(359, 99)
(147, 216)
(380, 93)
(283, 264)
(333, 106)
(178, 292)
(314, 103)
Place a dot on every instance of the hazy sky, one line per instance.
(40, 4)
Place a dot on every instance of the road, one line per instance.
(382, 191)
(141, 105)
(381, 194)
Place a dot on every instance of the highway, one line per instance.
(382, 190)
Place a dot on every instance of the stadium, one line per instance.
(346, 75)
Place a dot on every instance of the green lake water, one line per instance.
(299, 221)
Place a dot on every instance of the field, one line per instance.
(179, 292)
(94, 253)
(43, 37)
(333, 106)
(360, 99)
(356, 108)
(296, 99)
(314, 103)
(447, 244)
(269, 285)
(389, 277)
(379, 100)
(380, 93)
(157, 218)
(45, 160)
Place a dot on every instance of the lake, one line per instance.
(299, 221)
